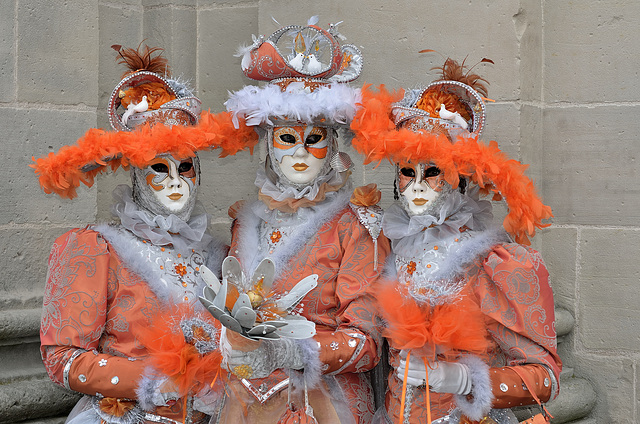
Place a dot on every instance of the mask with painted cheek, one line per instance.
(167, 186)
(420, 185)
(300, 152)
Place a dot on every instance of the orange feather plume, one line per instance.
(454, 327)
(62, 173)
(171, 354)
(485, 165)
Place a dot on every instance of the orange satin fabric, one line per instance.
(342, 254)
(511, 287)
(93, 302)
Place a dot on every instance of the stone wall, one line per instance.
(565, 85)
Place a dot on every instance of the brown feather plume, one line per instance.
(142, 59)
(454, 71)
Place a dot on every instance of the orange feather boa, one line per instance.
(485, 165)
(172, 355)
(61, 172)
(449, 328)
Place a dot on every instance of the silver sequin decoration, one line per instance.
(115, 380)
(504, 387)
(334, 345)
(82, 378)
(546, 382)
(102, 363)
(352, 343)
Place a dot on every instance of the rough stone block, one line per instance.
(531, 143)
(119, 24)
(33, 132)
(227, 180)
(34, 399)
(613, 380)
(590, 164)
(24, 253)
(58, 52)
(558, 248)
(528, 27)
(220, 32)
(503, 126)
(590, 55)
(7, 51)
(175, 30)
(608, 288)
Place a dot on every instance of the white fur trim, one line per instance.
(257, 105)
(480, 405)
(248, 233)
(124, 245)
(312, 365)
(470, 250)
(147, 386)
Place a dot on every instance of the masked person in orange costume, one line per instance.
(120, 305)
(469, 312)
(306, 224)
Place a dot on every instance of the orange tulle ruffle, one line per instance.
(173, 356)
(446, 329)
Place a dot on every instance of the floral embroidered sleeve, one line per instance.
(354, 345)
(515, 295)
(74, 319)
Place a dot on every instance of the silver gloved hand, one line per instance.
(262, 361)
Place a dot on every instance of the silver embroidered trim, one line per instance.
(362, 339)
(407, 404)
(263, 397)
(67, 367)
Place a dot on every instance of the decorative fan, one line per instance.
(249, 307)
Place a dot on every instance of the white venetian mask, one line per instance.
(301, 151)
(420, 185)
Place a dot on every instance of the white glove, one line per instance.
(261, 362)
(165, 394)
(444, 377)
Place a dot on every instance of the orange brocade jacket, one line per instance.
(341, 252)
(94, 307)
(511, 287)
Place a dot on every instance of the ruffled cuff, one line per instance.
(477, 404)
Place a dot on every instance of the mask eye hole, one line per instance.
(160, 167)
(288, 138)
(313, 139)
(408, 172)
(186, 169)
(431, 171)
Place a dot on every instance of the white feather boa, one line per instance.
(336, 103)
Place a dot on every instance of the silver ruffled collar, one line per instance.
(281, 192)
(161, 230)
(410, 235)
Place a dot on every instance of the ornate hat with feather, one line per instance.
(306, 67)
(152, 114)
(452, 104)
(147, 94)
(382, 132)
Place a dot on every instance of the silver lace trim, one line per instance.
(67, 367)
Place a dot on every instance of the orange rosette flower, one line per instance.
(368, 195)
